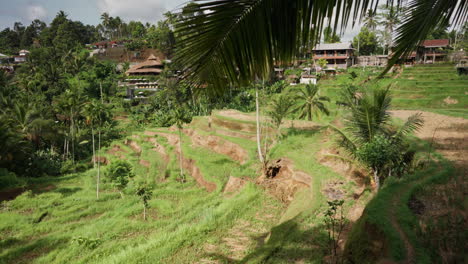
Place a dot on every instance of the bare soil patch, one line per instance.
(328, 158)
(282, 180)
(218, 145)
(133, 145)
(145, 163)
(447, 134)
(100, 159)
(189, 164)
(233, 125)
(333, 190)
(10, 194)
(450, 100)
(117, 151)
(234, 184)
(159, 148)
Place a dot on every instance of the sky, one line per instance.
(89, 11)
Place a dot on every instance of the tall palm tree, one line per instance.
(311, 101)
(390, 18)
(370, 20)
(106, 22)
(180, 117)
(241, 40)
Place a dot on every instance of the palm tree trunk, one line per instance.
(257, 111)
(376, 179)
(180, 155)
(94, 148)
(144, 213)
(98, 165)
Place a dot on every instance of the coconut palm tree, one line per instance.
(368, 119)
(370, 20)
(180, 116)
(310, 102)
(280, 107)
(389, 19)
(241, 40)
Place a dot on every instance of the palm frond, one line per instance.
(238, 41)
(345, 142)
(413, 123)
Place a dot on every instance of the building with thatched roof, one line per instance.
(151, 66)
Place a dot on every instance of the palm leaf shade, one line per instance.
(237, 41)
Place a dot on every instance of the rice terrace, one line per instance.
(244, 131)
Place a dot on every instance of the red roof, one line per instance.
(435, 43)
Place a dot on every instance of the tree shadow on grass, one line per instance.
(306, 132)
(288, 243)
(68, 191)
(27, 252)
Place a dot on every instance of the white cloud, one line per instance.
(141, 10)
(33, 11)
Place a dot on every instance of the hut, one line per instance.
(151, 66)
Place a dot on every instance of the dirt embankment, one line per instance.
(233, 125)
(188, 165)
(159, 148)
(282, 180)
(218, 145)
(133, 145)
(117, 151)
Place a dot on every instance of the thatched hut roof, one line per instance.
(151, 66)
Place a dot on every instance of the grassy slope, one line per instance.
(422, 87)
(184, 218)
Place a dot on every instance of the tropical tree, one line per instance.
(370, 20)
(280, 107)
(181, 116)
(310, 102)
(119, 173)
(96, 114)
(145, 193)
(30, 123)
(390, 18)
(239, 41)
(330, 36)
(366, 42)
(369, 136)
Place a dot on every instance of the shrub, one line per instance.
(119, 173)
(8, 179)
(44, 162)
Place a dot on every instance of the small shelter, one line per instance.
(151, 66)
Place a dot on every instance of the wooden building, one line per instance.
(151, 66)
(432, 51)
(338, 55)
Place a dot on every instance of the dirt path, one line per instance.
(448, 134)
(188, 164)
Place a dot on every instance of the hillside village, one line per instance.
(132, 142)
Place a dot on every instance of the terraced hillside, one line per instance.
(225, 211)
(435, 88)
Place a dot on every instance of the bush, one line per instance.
(68, 167)
(9, 180)
(44, 162)
(119, 173)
